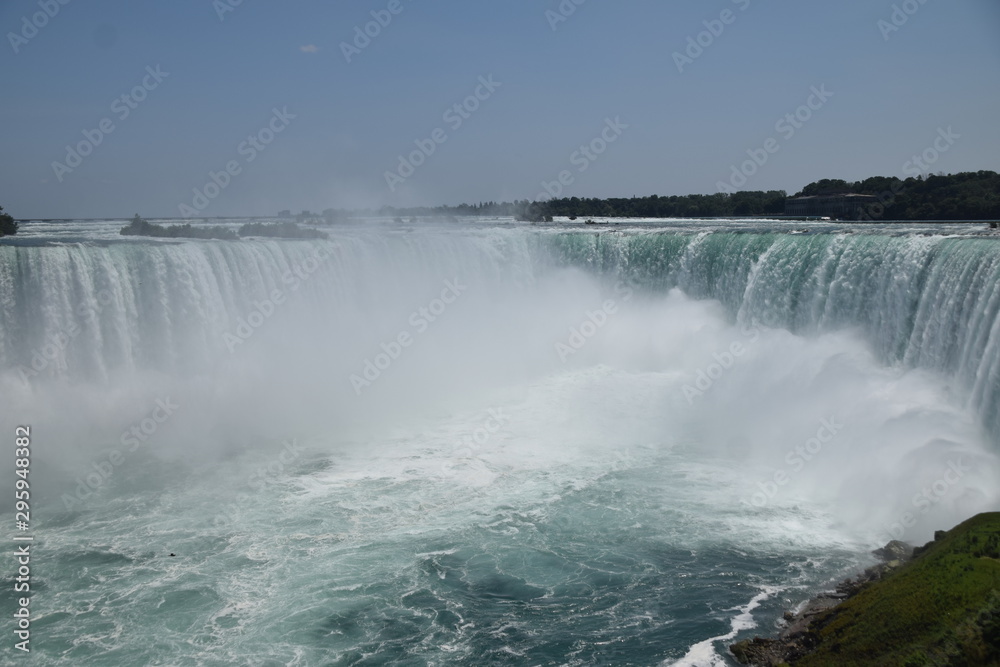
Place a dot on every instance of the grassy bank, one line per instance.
(942, 608)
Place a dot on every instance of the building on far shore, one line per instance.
(839, 206)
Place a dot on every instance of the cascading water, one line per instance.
(488, 444)
(922, 302)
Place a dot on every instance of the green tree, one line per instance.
(7, 225)
(826, 186)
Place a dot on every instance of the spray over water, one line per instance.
(394, 446)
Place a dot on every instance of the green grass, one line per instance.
(941, 609)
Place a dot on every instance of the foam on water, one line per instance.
(752, 414)
(704, 654)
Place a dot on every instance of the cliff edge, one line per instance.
(940, 606)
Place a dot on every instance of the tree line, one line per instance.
(283, 230)
(972, 195)
(720, 205)
(961, 196)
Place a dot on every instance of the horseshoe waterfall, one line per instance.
(485, 443)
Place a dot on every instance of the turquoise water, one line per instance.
(514, 485)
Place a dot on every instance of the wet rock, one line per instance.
(798, 637)
(894, 550)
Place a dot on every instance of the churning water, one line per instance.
(483, 444)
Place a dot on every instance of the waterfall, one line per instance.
(89, 310)
(922, 302)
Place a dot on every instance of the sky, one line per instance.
(247, 107)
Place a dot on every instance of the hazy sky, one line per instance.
(200, 78)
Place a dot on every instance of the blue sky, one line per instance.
(225, 72)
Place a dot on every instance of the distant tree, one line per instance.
(7, 225)
(706, 206)
(826, 186)
(880, 186)
(973, 195)
(286, 230)
(140, 227)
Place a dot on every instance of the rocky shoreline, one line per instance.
(800, 635)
